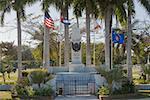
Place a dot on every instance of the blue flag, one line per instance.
(117, 38)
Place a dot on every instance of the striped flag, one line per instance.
(48, 21)
(65, 21)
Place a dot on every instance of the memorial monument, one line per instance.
(76, 65)
(77, 79)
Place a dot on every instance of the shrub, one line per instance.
(39, 76)
(146, 70)
(30, 91)
(23, 90)
(114, 75)
(44, 91)
(103, 90)
(126, 88)
(24, 81)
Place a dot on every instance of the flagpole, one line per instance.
(60, 44)
(94, 45)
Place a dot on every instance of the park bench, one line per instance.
(5, 87)
(143, 88)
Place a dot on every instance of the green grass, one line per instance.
(13, 77)
(12, 80)
(5, 95)
(144, 91)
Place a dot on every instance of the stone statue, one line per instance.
(76, 45)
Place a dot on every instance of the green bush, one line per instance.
(126, 88)
(30, 91)
(103, 90)
(23, 90)
(39, 76)
(24, 81)
(44, 91)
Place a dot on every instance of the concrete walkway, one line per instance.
(86, 97)
(89, 97)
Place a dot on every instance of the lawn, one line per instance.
(5, 95)
(12, 80)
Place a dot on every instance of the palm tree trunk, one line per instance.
(66, 48)
(0, 56)
(19, 46)
(3, 74)
(77, 21)
(46, 48)
(107, 36)
(88, 49)
(129, 59)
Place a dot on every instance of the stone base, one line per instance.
(76, 68)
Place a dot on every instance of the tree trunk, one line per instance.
(19, 46)
(77, 21)
(39, 85)
(66, 48)
(129, 59)
(88, 49)
(0, 56)
(3, 74)
(59, 53)
(46, 48)
(9, 75)
(107, 37)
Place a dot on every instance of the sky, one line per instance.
(9, 32)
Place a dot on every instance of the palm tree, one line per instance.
(114, 75)
(18, 6)
(77, 11)
(107, 9)
(63, 6)
(146, 5)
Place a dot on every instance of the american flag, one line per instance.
(48, 21)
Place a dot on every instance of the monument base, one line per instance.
(76, 68)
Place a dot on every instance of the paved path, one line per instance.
(88, 97)
(141, 99)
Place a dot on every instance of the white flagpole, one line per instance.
(94, 43)
(60, 40)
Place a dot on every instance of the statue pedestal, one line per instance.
(76, 68)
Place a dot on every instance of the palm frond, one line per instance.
(146, 5)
